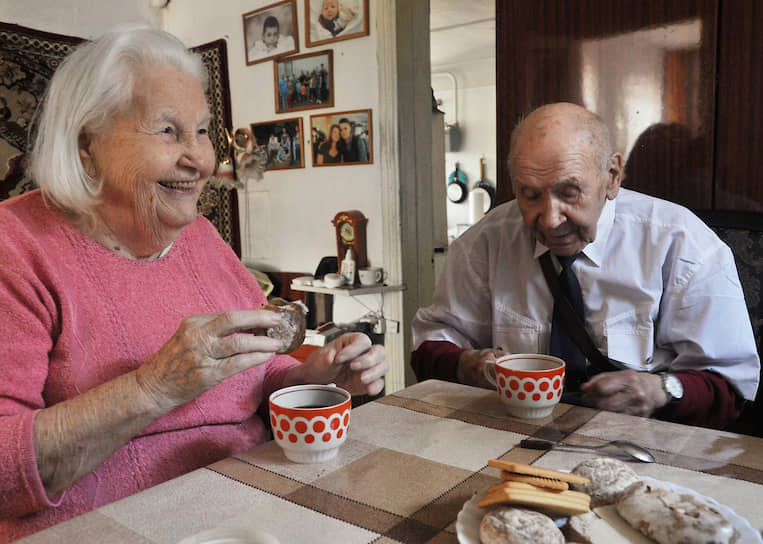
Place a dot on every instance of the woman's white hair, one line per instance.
(91, 86)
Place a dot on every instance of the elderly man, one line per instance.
(661, 297)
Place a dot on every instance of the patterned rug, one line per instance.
(28, 58)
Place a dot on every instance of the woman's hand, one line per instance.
(204, 351)
(350, 361)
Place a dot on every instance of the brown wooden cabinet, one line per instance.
(677, 81)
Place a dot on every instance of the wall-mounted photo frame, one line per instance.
(282, 141)
(342, 138)
(304, 82)
(334, 20)
(270, 32)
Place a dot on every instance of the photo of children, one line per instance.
(270, 32)
(304, 82)
(334, 20)
(281, 141)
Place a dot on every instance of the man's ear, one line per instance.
(614, 174)
(85, 156)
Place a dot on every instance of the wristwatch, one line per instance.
(674, 389)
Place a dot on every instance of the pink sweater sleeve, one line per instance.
(26, 313)
(21, 490)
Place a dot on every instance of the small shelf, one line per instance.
(348, 291)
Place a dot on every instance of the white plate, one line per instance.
(470, 516)
(230, 535)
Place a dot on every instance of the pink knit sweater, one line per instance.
(74, 315)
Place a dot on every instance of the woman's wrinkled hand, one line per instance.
(204, 351)
(351, 362)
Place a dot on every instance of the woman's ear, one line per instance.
(84, 154)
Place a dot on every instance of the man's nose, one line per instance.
(551, 215)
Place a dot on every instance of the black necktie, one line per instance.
(562, 345)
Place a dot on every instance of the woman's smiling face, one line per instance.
(154, 158)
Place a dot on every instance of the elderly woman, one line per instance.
(122, 312)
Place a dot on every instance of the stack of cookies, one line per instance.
(539, 488)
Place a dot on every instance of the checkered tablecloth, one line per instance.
(410, 463)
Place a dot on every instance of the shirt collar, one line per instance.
(596, 249)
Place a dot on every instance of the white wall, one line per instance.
(475, 91)
(83, 18)
(293, 231)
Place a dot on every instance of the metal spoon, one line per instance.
(634, 450)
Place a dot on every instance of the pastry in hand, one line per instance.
(291, 330)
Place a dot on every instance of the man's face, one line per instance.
(560, 188)
(330, 9)
(346, 129)
(270, 37)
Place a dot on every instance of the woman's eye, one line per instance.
(167, 130)
(203, 131)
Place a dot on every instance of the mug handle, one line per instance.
(379, 276)
(488, 369)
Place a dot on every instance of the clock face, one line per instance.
(347, 232)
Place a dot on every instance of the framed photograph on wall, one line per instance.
(335, 20)
(271, 32)
(282, 141)
(304, 82)
(342, 138)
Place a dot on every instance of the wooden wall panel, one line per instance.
(739, 135)
(611, 57)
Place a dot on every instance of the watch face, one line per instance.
(673, 386)
(347, 232)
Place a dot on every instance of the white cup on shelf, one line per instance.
(371, 275)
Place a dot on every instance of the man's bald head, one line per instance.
(563, 123)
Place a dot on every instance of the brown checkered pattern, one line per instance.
(411, 462)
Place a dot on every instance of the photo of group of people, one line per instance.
(306, 81)
(341, 138)
(281, 141)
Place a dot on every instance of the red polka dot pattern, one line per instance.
(316, 431)
(534, 390)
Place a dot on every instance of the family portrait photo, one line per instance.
(341, 138)
(271, 32)
(281, 141)
(304, 82)
(335, 20)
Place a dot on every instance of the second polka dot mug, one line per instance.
(310, 422)
(529, 384)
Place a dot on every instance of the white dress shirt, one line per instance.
(660, 289)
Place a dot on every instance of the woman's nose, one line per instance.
(198, 154)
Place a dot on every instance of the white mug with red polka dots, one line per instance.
(529, 384)
(310, 422)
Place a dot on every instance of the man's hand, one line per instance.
(626, 391)
(471, 366)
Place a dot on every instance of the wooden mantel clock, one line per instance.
(351, 232)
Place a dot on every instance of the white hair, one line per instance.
(91, 86)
